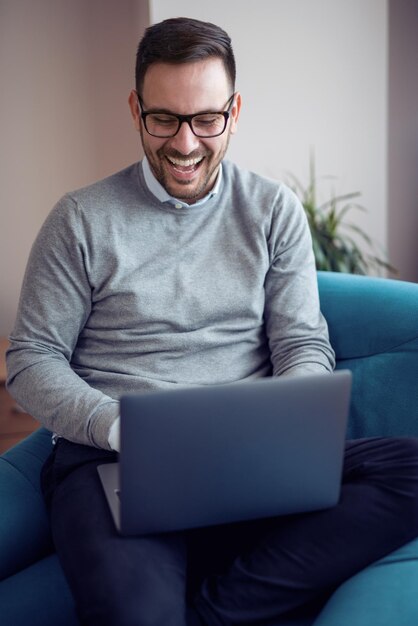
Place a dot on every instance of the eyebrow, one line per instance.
(170, 112)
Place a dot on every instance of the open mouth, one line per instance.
(184, 168)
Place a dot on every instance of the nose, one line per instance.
(185, 141)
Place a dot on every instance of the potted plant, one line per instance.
(334, 247)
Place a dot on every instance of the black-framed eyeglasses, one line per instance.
(164, 124)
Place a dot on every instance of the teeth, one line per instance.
(185, 162)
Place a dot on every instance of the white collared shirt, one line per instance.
(161, 194)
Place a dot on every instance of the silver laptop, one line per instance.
(213, 455)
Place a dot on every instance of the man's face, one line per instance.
(186, 165)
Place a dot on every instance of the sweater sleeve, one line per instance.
(54, 306)
(296, 329)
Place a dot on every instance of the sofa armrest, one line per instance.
(38, 596)
(24, 526)
(385, 593)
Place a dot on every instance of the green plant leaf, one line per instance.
(334, 249)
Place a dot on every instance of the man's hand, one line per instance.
(114, 435)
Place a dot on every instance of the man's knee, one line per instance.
(400, 477)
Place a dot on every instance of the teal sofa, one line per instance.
(373, 325)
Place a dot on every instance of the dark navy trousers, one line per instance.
(252, 573)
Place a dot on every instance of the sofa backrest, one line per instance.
(373, 325)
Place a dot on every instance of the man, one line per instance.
(186, 270)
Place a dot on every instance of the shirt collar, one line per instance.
(161, 194)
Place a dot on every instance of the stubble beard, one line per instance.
(184, 189)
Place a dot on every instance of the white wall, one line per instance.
(66, 69)
(312, 73)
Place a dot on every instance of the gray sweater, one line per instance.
(123, 293)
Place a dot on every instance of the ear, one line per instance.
(134, 107)
(235, 111)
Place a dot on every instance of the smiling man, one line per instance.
(184, 269)
(185, 157)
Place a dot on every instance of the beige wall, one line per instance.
(66, 68)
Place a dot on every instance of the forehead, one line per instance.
(186, 87)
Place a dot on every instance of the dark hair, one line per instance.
(182, 40)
